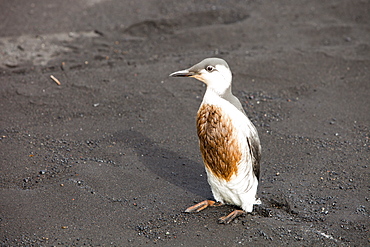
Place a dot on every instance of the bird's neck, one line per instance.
(212, 96)
(216, 98)
(224, 93)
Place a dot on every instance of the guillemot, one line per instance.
(228, 141)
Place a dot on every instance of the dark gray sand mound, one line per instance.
(110, 156)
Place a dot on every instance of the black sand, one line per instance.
(110, 157)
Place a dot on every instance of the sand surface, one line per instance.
(110, 156)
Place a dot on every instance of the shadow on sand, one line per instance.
(171, 166)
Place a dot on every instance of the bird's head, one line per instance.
(214, 72)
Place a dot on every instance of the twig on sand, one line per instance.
(55, 79)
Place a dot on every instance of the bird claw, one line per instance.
(230, 217)
(202, 205)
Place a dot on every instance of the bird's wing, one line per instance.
(255, 152)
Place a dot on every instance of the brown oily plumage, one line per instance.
(217, 141)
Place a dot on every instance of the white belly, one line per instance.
(240, 190)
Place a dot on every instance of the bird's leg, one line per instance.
(202, 205)
(230, 217)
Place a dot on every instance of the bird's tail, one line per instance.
(257, 201)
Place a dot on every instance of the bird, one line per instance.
(228, 141)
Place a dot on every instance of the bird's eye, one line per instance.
(210, 68)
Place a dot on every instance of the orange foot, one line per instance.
(230, 217)
(202, 205)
